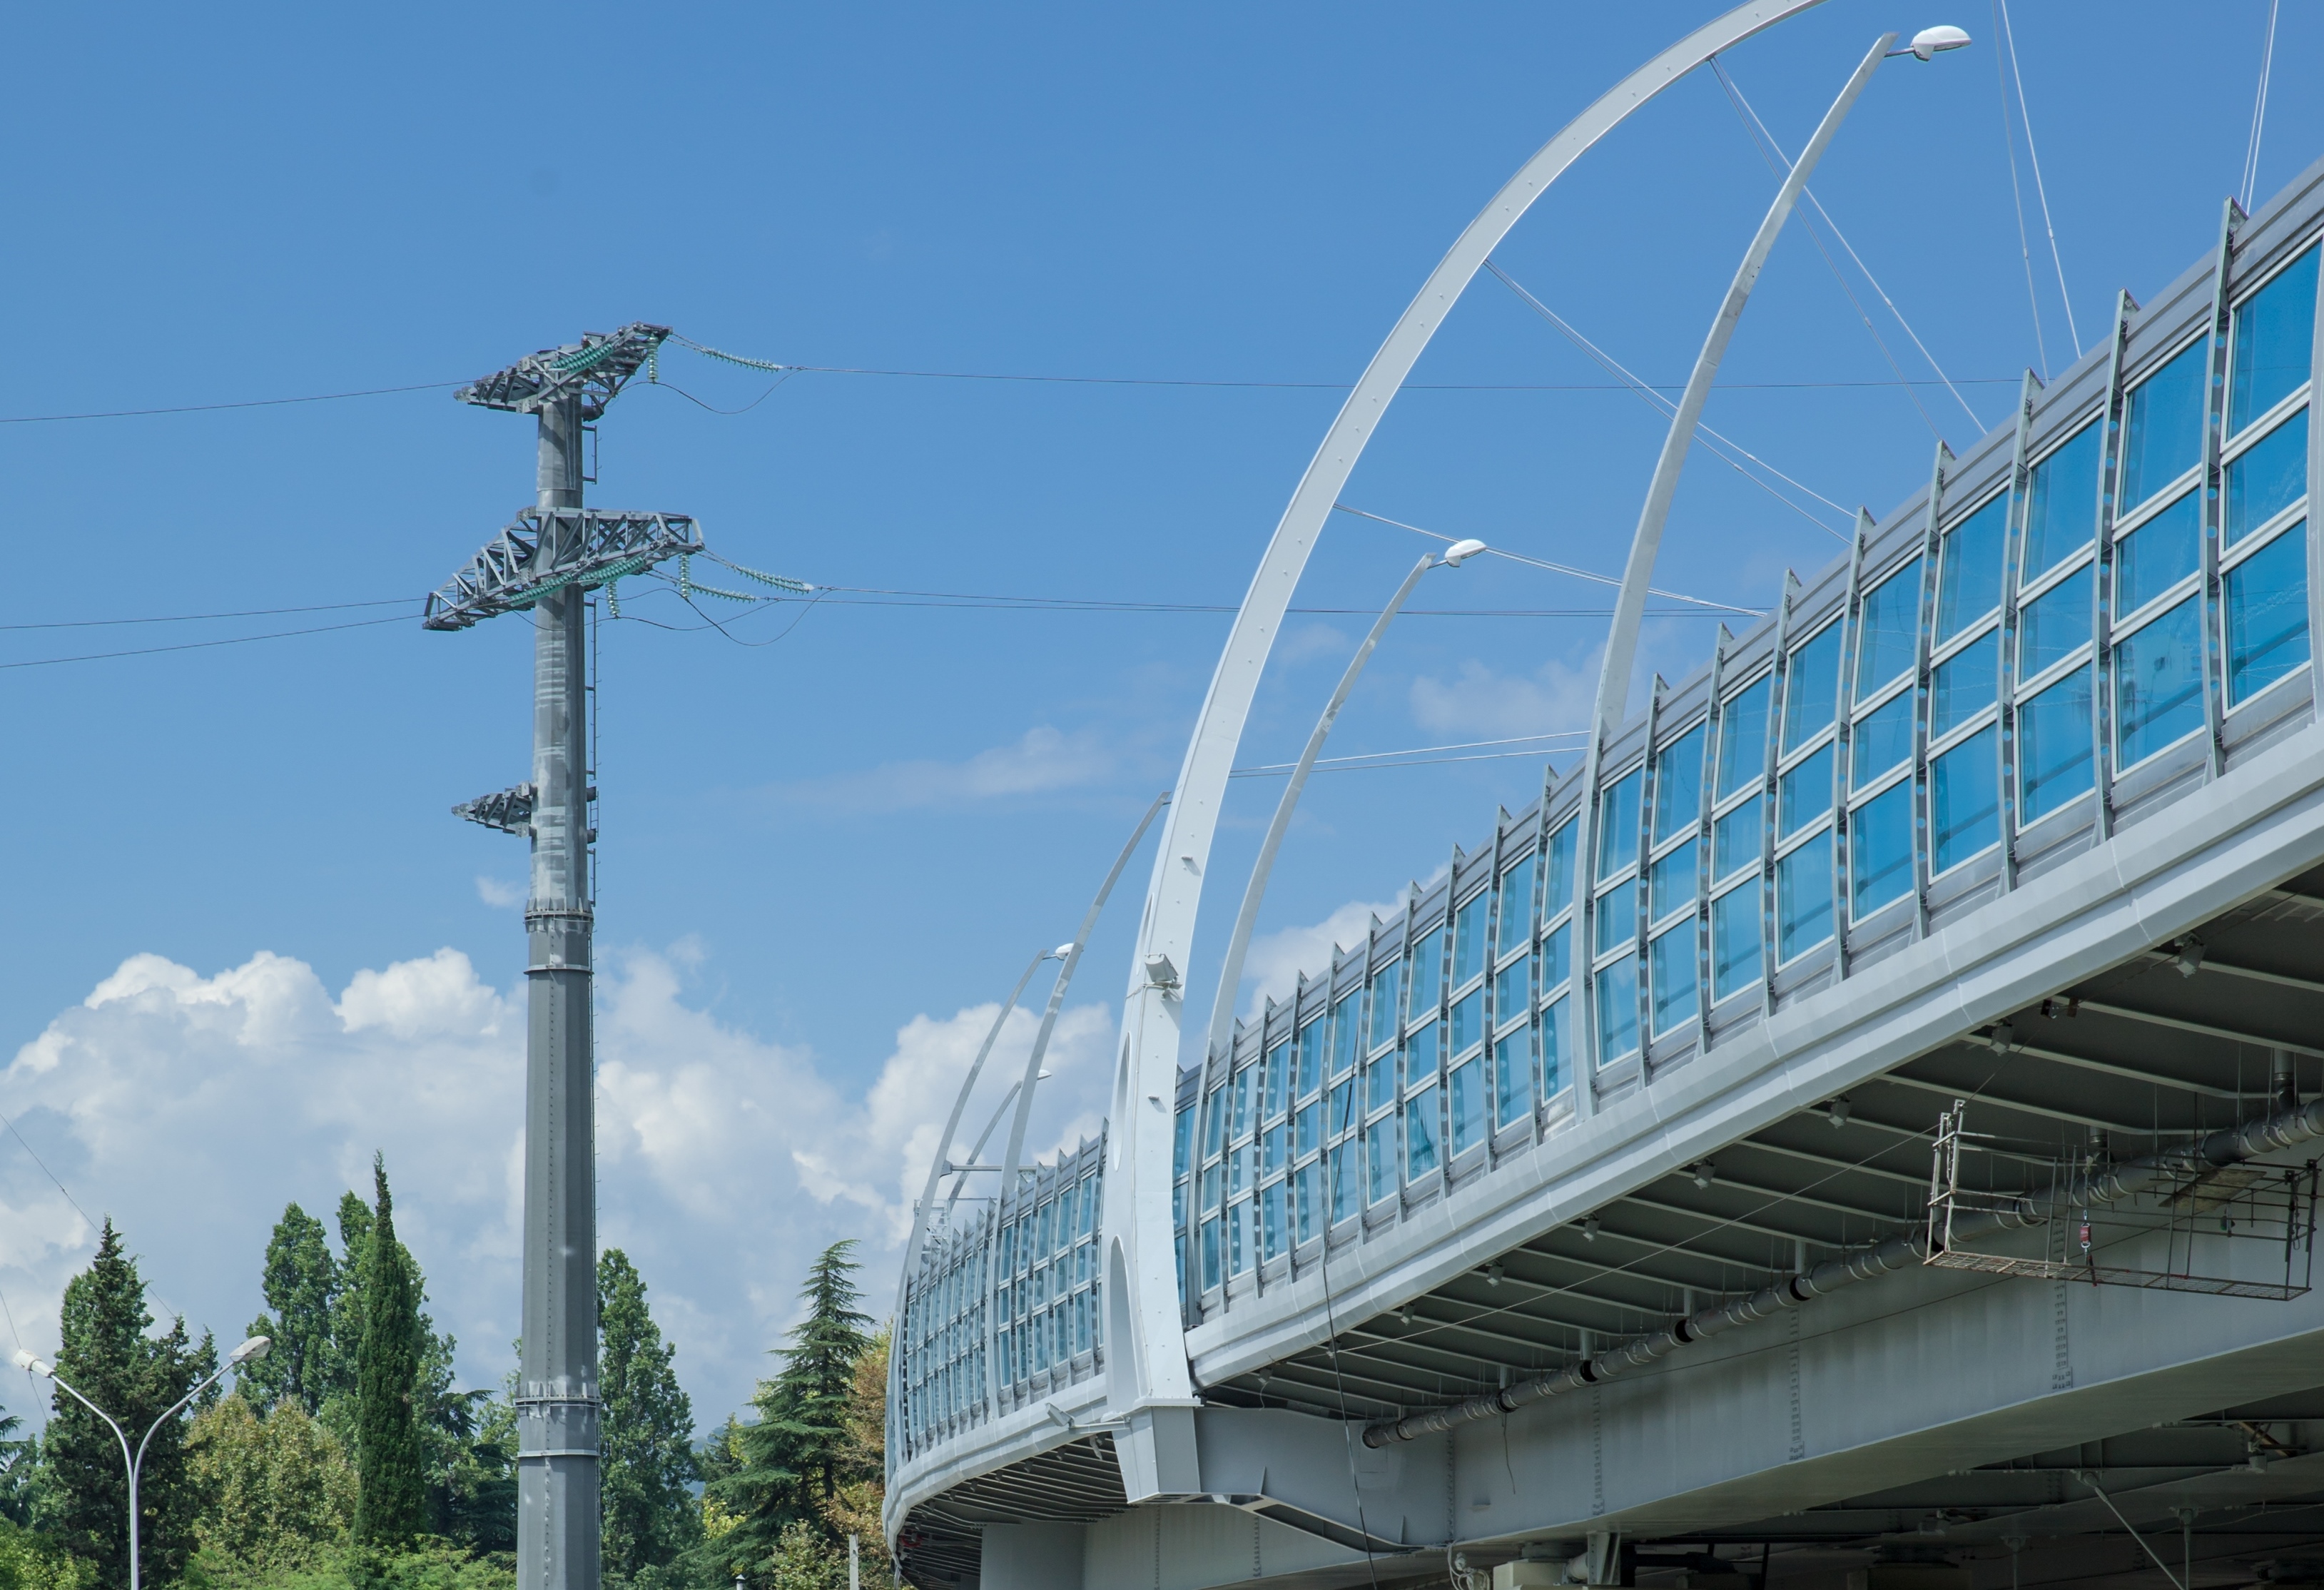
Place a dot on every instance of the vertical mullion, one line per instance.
(2211, 503)
(2316, 495)
(1650, 774)
(1843, 738)
(2005, 673)
(1924, 833)
(1779, 690)
(1713, 725)
(1536, 938)
(2102, 570)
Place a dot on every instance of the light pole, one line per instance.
(255, 1347)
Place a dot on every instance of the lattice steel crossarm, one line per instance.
(547, 549)
(509, 811)
(593, 370)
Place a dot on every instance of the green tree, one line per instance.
(29, 1561)
(793, 1460)
(339, 1369)
(108, 1357)
(647, 1517)
(302, 1282)
(277, 1494)
(390, 1505)
(20, 1457)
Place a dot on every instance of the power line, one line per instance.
(318, 397)
(205, 617)
(2040, 192)
(204, 645)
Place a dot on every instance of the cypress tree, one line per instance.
(108, 1358)
(390, 1466)
(302, 1282)
(646, 1515)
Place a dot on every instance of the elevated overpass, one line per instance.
(1859, 1127)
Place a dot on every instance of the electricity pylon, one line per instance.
(546, 561)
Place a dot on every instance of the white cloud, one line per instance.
(191, 1109)
(1043, 759)
(1306, 641)
(1552, 698)
(499, 893)
(1272, 965)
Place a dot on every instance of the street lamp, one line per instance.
(1928, 42)
(255, 1347)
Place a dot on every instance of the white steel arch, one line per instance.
(1155, 1440)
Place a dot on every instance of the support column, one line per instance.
(556, 1399)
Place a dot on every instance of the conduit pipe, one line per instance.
(2286, 1128)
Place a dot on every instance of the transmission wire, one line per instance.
(2017, 199)
(2040, 192)
(2259, 107)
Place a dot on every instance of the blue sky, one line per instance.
(824, 856)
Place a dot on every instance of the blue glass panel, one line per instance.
(1883, 738)
(1670, 977)
(1964, 684)
(2158, 554)
(1735, 942)
(1468, 1021)
(1421, 1152)
(1880, 850)
(1735, 839)
(2053, 746)
(1469, 938)
(1803, 899)
(1428, 976)
(1804, 794)
(2268, 477)
(1512, 1059)
(1553, 959)
(1743, 737)
(1965, 799)
(1387, 984)
(1214, 1122)
(1274, 1144)
(1245, 1084)
(1678, 785)
(2266, 600)
(1308, 1075)
(1270, 1226)
(1344, 1023)
(1379, 1159)
(1343, 1178)
(2053, 623)
(1968, 573)
(1238, 1179)
(1421, 1052)
(1210, 1255)
(1617, 917)
(1557, 893)
(1344, 1107)
(1512, 991)
(1379, 1082)
(1617, 1010)
(1238, 1246)
(1278, 1080)
(1467, 1098)
(1303, 1201)
(1557, 1044)
(1890, 629)
(1182, 1140)
(1308, 1129)
(2275, 338)
(1811, 689)
(2158, 684)
(1618, 825)
(2162, 427)
(1214, 1187)
(2061, 503)
(1673, 881)
(1516, 907)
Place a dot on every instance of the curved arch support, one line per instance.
(1138, 1205)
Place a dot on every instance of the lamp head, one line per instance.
(1459, 552)
(255, 1347)
(31, 1365)
(1062, 950)
(1928, 41)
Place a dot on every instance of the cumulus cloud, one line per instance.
(1554, 697)
(1041, 760)
(191, 1109)
(1272, 965)
(498, 893)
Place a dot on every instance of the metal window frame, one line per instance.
(1658, 847)
(2258, 541)
(1777, 961)
(1953, 744)
(1890, 782)
(2004, 488)
(1725, 699)
(1906, 692)
(2052, 447)
(2293, 254)
(1753, 879)
(2132, 384)
(1792, 650)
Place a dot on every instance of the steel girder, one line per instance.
(592, 369)
(546, 549)
(509, 811)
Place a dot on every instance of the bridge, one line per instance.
(1860, 1126)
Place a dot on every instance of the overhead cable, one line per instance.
(2259, 107)
(2040, 192)
(1742, 105)
(1567, 569)
(2017, 200)
(1662, 405)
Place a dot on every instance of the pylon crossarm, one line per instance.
(593, 369)
(546, 549)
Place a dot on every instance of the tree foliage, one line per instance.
(107, 1356)
(301, 1283)
(648, 1516)
(277, 1493)
(390, 1462)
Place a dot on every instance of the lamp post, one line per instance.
(255, 1347)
